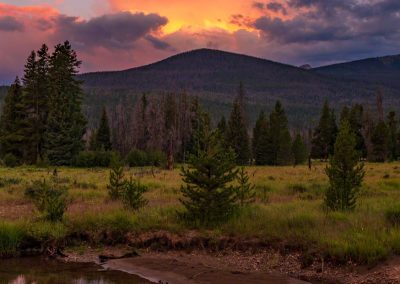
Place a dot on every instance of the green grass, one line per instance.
(288, 211)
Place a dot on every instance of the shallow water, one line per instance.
(40, 270)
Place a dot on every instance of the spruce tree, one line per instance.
(66, 123)
(299, 150)
(281, 142)
(35, 103)
(392, 124)
(356, 118)
(103, 133)
(344, 171)
(117, 181)
(222, 127)
(245, 191)
(237, 136)
(200, 128)
(209, 197)
(380, 143)
(324, 134)
(29, 102)
(12, 126)
(260, 133)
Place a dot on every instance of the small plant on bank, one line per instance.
(116, 180)
(49, 198)
(208, 196)
(344, 171)
(132, 194)
(245, 190)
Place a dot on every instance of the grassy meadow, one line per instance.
(288, 211)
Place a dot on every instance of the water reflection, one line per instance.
(40, 270)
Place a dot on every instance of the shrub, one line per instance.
(10, 160)
(392, 215)
(90, 159)
(157, 158)
(132, 195)
(137, 158)
(49, 198)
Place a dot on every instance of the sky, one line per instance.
(120, 34)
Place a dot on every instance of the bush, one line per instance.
(10, 160)
(91, 159)
(392, 215)
(137, 158)
(157, 158)
(132, 195)
(49, 198)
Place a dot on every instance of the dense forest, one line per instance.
(43, 121)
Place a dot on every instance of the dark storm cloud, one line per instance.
(10, 24)
(276, 7)
(112, 31)
(333, 21)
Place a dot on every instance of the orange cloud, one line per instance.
(205, 14)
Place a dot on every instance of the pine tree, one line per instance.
(281, 142)
(116, 181)
(245, 190)
(12, 119)
(200, 128)
(356, 117)
(237, 136)
(260, 133)
(29, 103)
(392, 124)
(66, 123)
(380, 143)
(324, 134)
(103, 133)
(299, 150)
(222, 127)
(209, 197)
(344, 171)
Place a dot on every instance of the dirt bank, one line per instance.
(191, 269)
(268, 266)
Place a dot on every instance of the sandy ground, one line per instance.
(238, 267)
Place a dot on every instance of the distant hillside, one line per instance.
(381, 70)
(215, 75)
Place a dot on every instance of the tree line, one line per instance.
(42, 120)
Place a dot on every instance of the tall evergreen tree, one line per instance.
(392, 124)
(66, 123)
(237, 135)
(344, 171)
(260, 138)
(299, 150)
(29, 102)
(222, 127)
(103, 133)
(356, 117)
(12, 123)
(380, 143)
(280, 137)
(324, 134)
(200, 128)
